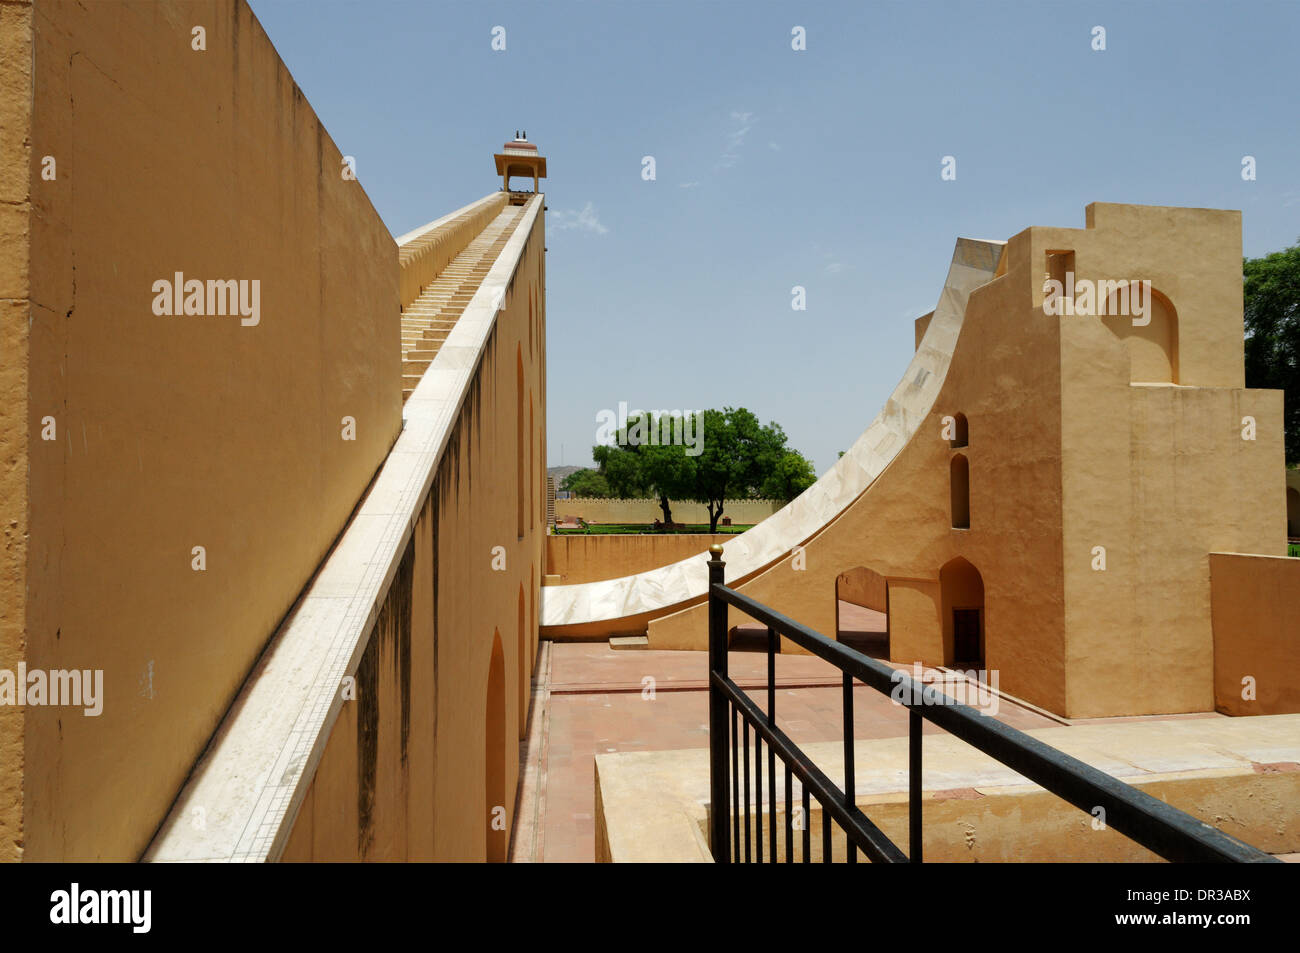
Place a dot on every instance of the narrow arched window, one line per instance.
(959, 480)
(960, 432)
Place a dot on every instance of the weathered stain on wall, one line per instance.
(174, 431)
(367, 743)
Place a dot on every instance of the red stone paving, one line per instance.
(589, 699)
(599, 702)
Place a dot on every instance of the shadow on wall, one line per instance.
(862, 611)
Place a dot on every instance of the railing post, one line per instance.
(719, 801)
(914, 777)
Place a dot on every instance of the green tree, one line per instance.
(621, 469)
(669, 473)
(1271, 300)
(792, 475)
(738, 457)
(640, 463)
(587, 483)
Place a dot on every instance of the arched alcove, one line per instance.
(962, 591)
(1152, 344)
(1292, 512)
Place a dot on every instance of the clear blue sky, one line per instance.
(676, 293)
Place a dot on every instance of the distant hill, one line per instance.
(559, 473)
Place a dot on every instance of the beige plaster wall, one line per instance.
(1159, 476)
(1255, 603)
(177, 431)
(580, 558)
(15, 339)
(863, 587)
(741, 512)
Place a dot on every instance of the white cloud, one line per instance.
(585, 220)
(741, 123)
(688, 185)
(833, 260)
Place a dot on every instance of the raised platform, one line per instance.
(1240, 774)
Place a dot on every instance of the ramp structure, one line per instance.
(628, 604)
(1071, 488)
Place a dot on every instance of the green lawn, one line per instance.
(1292, 549)
(633, 529)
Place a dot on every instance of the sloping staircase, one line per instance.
(428, 319)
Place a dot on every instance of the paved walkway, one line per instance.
(589, 699)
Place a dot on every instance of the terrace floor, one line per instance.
(589, 699)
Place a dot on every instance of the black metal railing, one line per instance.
(735, 836)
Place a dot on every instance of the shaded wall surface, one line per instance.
(1256, 616)
(249, 436)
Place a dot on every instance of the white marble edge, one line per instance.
(974, 263)
(250, 781)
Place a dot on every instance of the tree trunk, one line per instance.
(668, 513)
(714, 517)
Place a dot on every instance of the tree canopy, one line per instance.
(586, 483)
(735, 457)
(1271, 300)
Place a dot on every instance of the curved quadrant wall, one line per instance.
(627, 604)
